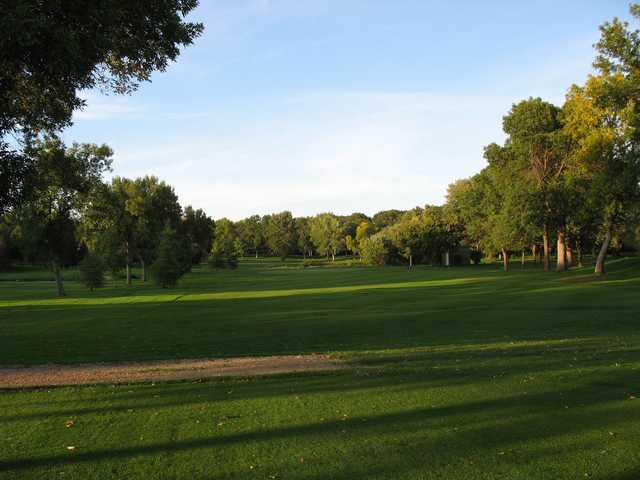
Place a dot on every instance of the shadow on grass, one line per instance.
(489, 425)
(393, 371)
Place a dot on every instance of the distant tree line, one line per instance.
(564, 184)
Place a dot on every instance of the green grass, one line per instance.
(463, 373)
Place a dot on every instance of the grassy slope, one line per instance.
(460, 373)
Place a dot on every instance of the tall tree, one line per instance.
(224, 249)
(251, 233)
(603, 118)
(198, 227)
(305, 243)
(281, 234)
(327, 234)
(535, 135)
(63, 178)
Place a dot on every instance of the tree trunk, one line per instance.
(603, 250)
(579, 252)
(256, 253)
(59, 283)
(561, 265)
(128, 265)
(545, 247)
(523, 258)
(333, 256)
(410, 262)
(505, 260)
(144, 269)
(569, 255)
(534, 252)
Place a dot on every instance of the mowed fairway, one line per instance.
(465, 373)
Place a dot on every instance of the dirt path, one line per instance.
(91, 373)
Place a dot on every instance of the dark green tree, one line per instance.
(281, 234)
(63, 179)
(92, 269)
(167, 268)
(225, 247)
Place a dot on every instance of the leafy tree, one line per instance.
(536, 139)
(281, 234)
(251, 232)
(225, 247)
(198, 228)
(603, 120)
(305, 243)
(363, 231)
(375, 250)
(15, 169)
(52, 51)
(63, 177)
(350, 244)
(350, 223)
(327, 234)
(154, 206)
(132, 214)
(92, 270)
(386, 218)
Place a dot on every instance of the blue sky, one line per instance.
(342, 105)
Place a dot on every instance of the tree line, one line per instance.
(563, 185)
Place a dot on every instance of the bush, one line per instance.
(92, 269)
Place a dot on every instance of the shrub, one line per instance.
(92, 269)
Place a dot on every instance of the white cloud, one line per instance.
(344, 152)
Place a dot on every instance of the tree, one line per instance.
(225, 247)
(363, 231)
(250, 231)
(375, 250)
(386, 218)
(15, 169)
(167, 268)
(62, 178)
(536, 138)
(50, 52)
(603, 118)
(198, 228)
(327, 234)
(131, 214)
(350, 244)
(350, 223)
(154, 206)
(281, 234)
(305, 243)
(92, 270)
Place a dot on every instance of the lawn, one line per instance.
(456, 373)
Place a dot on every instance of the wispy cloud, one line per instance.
(339, 151)
(103, 107)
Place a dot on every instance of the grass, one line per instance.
(457, 373)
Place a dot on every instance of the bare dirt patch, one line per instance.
(92, 373)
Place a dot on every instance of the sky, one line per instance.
(340, 105)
